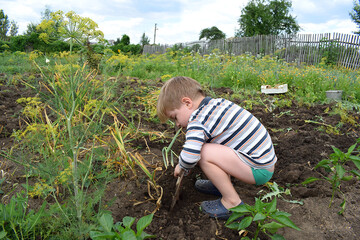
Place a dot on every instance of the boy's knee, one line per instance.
(205, 150)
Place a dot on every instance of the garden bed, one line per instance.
(302, 138)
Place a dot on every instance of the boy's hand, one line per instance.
(178, 170)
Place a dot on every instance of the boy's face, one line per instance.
(181, 115)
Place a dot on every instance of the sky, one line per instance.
(178, 21)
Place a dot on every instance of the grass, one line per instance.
(307, 83)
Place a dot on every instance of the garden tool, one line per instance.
(177, 189)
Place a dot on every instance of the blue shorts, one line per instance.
(261, 176)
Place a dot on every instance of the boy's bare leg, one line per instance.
(218, 162)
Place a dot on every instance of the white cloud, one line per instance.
(114, 29)
(178, 20)
(331, 26)
(198, 15)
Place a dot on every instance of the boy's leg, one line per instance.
(218, 162)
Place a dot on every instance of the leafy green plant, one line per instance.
(278, 192)
(19, 223)
(335, 166)
(121, 230)
(266, 216)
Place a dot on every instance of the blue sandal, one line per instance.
(207, 187)
(216, 209)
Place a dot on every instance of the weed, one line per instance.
(278, 192)
(121, 230)
(19, 223)
(340, 109)
(328, 128)
(287, 113)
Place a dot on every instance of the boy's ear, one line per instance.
(187, 101)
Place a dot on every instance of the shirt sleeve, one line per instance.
(195, 139)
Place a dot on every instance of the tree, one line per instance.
(355, 15)
(212, 33)
(267, 17)
(31, 28)
(13, 28)
(125, 40)
(145, 40)
(7, 26)
(4, 25)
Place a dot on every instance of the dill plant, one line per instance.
(67, 145)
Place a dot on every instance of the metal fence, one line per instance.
(335, 48)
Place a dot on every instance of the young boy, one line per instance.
(223, 138)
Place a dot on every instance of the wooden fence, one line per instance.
(336, 48)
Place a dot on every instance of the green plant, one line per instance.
(266, 216)
(166, 150)
(335, 166)
(68, 149)
(278, 192)
(121, 230)
(19, 223)
(328, 128)
(2, 179)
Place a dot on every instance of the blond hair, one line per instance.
(173, 91)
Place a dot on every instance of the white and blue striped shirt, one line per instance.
(223, 122)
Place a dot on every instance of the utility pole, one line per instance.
(155, 32)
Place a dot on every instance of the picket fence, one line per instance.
(336, 48)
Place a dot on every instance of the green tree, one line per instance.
(46, 14)
(355, 15)
(7, 26)
(267, 17)
(212, 33)
(144, 40)
(125, 39)
(31, 28)
(4, 25)
(13, 28)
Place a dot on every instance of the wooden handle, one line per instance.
(177, 189)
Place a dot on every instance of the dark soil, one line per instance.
(299, 145)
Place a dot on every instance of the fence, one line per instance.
(336, 48)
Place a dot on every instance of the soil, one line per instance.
(299, 145)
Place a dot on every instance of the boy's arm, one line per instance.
(195, 139)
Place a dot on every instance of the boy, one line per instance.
(223, 138)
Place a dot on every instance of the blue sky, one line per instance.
(178, 20)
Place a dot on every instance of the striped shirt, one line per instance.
(223, 122)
